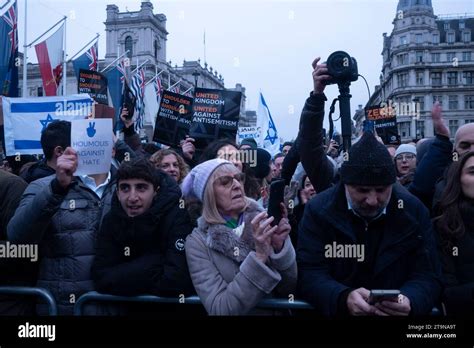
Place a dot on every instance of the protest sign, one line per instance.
(248, 132)
(93, 141)
(173, 118)
(385, 123)
(215, 115)
(26, 118)
(94, 84)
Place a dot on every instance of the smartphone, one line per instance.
(277, 195)
(382, 295)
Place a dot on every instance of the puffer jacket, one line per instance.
(156, 263)
(65, 227)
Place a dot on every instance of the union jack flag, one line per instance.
(11, 19)
(158, 88)
(92, 55)
(138, 89)
(175, 89)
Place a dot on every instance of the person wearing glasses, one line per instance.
(235, 256)
(405, 162)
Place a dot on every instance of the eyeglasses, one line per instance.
(406, 157)
(228, 180)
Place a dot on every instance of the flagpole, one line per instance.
(139, 66)
(25, 55)
(114, 61)
(47, 31)
(64, 60)
(190, 88)
(154, 77)
(169, 88)
(87, 44)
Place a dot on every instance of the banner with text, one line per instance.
(94, 84)
(215, 115)
(385, 120)
(173, 119)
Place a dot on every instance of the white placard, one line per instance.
(93, 141)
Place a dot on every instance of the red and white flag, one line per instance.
(50, 59)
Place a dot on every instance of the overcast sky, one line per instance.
(266, 45)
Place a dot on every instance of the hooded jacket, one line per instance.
(145, 254)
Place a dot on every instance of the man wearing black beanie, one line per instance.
(367, 233)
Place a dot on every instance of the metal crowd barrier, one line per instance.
(31, 291)
(271, 303)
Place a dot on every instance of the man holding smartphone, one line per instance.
(364, 235)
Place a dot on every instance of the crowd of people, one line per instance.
(183, 221)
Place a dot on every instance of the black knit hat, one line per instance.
(262, 168)
(250, 142)
(368, 164)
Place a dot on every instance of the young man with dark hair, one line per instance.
(287, 145)
(140, 247)
(54, 140)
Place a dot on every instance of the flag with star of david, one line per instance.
(269, 138)
(26, 118)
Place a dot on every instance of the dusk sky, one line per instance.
(265, 45)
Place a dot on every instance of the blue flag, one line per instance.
(9, 52)
(116, 80)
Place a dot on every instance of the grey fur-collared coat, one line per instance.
(227, 275)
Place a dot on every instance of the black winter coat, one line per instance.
(145, 254)
(406, 257)
(458, 267)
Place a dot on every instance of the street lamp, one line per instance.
(196, 76)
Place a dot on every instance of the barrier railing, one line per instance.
(271, 303)
(31, 291)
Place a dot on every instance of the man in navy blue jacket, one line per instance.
(367, 233)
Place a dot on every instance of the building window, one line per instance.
(453, 102)
(419, 56)
(452, 78)
(403, 40)
(466, 56)
(466, 36)
(420, 129)
(469, 77)
(435, 39)
(436, 79)
(436, 57)
(155, 48)
(402, 59)
(420, 78)
(453, 126)
(450, 57)
(450, 38)
(419, 38)
(402, 80)
(469, 102)
(446, 26)
(438, 98)
(462, 25)
(129, 46)
(404, 129)
(468, 121)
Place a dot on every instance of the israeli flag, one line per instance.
(269, 134)
(25, 119)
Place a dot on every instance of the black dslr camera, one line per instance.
(342, 68)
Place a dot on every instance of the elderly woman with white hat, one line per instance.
(235, 256)
(405, 162)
